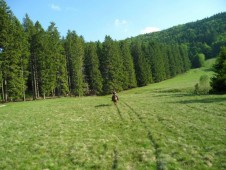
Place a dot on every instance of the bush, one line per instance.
(203, 87)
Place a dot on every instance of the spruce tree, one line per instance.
(142, 69)
(218, 82)
(93, 75)
(112, 66)
(185, 58)
(172, 62)
(41, 60)
(128, 66)
(30, 31)
(14, 55)
(147, 56)
(57, 72)
(166, 61)
(74, 48)
(62, 74)
(157, 61)
(4, 35)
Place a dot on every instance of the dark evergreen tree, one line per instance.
(157, 61)
(57, 70)
(93, 75)
(218, 82)
(62, 74)
(172, 62)
(129, 76)
(5, 14)
(74, 48)
(111, 66)
(42, 61)
(166, 61)
(147, 56)
(142, 69)
(30, 32)
(177, 59)
(14, 55)
(185, 58)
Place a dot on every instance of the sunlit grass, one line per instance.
(162, 126)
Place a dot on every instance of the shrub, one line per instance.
(203, 87)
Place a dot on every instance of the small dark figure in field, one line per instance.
(114, 97)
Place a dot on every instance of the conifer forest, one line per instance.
(36, 63)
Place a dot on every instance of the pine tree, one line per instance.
(112, 66)
(157, 61)
(93, 75)
(41, 61)
(129, 75)
(147, 56)
(218, 82)
(13, 56)
(32, 67)
(74, 47)
(172, 62)
(166, 61)
(4, 35)
(57, 72)
(185, 58)
(178, 59)
(142, 69)
(62, 74)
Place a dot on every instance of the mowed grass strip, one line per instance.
(161, 126)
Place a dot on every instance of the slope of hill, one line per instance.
(203, 36)
(152, 127)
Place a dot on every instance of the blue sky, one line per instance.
(94, 19)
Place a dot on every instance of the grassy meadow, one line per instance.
(160, 126)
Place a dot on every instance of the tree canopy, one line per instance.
(37, 63)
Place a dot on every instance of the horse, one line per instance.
(114, 98)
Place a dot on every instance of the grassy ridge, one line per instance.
(162, 126)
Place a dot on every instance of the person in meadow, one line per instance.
(114, 97)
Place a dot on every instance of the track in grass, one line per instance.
(153, 142)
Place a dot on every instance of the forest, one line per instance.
(38, 64)
(204, 37)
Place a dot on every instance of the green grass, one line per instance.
(161, 126)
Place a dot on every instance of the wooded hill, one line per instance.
(204, 36)
(37, 63)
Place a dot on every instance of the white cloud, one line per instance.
(149, 30)
(55, 7)
(118, 22)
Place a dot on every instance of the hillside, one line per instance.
(36, 63)
(203, 36)
(160, 126)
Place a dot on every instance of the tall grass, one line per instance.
(161, 126)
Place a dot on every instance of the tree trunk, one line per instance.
(5, 91)
(23, 88)
(3, 94)
(33, 82)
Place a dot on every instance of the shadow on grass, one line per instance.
(103, 105)
(206, 100)
(173, 94)
(119, 113)
(115, 161)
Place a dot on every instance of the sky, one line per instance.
(120, 19)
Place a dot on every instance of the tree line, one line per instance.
(204, 38)
(37, 63)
